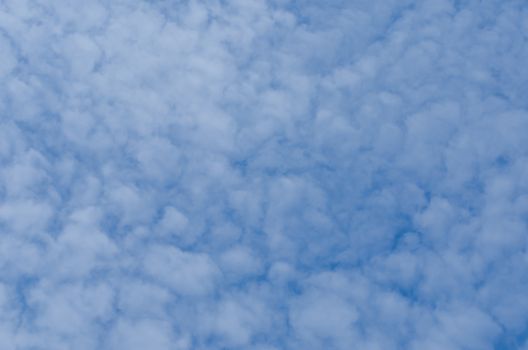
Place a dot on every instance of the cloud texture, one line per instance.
(252, 174)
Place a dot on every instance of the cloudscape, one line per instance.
(263, 174)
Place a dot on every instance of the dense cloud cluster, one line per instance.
(263, 174)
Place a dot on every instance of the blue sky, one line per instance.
(263, 174)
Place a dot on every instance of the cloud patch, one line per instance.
(263, 174)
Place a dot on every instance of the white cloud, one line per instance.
(263, 174)
(184, 272)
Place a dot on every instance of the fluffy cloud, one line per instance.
(263, 174)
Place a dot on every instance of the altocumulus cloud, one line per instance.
(263, 174)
